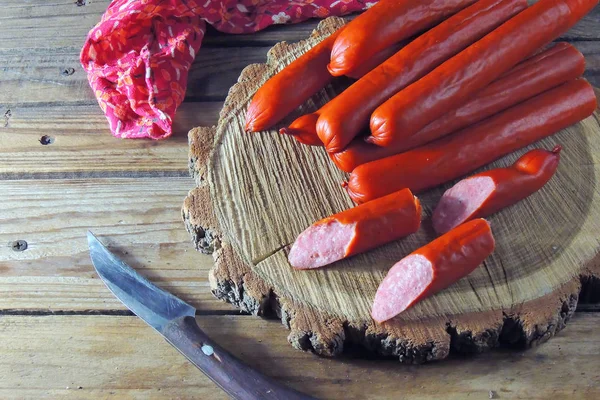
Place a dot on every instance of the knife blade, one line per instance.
(175, 320)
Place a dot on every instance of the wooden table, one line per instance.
(63, 334)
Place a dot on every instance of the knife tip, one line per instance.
(91, 237)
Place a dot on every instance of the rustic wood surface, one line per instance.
(60, 327)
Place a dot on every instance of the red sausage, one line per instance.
(384, 24)
(357, 230)
(490, 191)
(344, 117)
(303, 129)
(432, 268)
(291, 87)
(471, 70)
(558, 64)
(373, 62)
(462, 152)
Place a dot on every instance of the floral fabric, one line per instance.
(138, 56)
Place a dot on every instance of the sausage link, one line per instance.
(304, 128)
(463, 75)
(433, 268)
(373, 62)
(464, 151)
(344, 117)
(488, 192)
(386, 23)
(291, 87)
(558, 64)
(357, 230)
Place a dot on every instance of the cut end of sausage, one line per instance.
(321, 244)
(461, 202)
(404, 284)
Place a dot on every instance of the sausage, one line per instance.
(342, 119)
(471, 70)
(303, 129)
(357, 230)
(291, 87)
(464, 151)
(432, 268)
(384, 24)
(488, 192)
(374, 61)
(555, 65)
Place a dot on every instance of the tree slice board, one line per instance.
(256, 192)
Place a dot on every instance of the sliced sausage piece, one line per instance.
(291, 87)
(488, 192)
(344, 117)
(464, 151)
(432, 268)
(357, 230)
(386, 23)
(558, 64)
(471, 70)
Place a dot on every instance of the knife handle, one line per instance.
(233, 376)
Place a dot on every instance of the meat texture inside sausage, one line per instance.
(356, 230)
(432, 268)
(490, 191)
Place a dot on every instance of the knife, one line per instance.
(175, 320)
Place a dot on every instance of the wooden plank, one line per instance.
(36, 76)
(83, 146)
(33, 24)
(139, 218)
(42, 24)
(89, 357)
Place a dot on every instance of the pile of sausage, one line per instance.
(443, 87)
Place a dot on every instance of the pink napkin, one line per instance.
(138, 56)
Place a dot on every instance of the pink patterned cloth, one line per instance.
(138, 56)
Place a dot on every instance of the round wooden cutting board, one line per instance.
(257, 192)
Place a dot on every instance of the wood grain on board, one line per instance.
(265, 189)
(90, 357)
